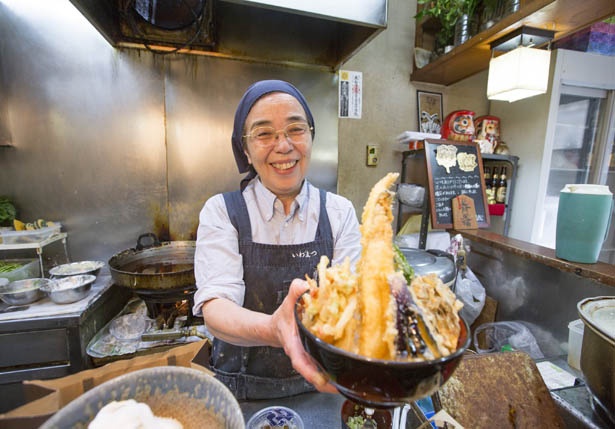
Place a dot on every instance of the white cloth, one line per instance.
(218, 265)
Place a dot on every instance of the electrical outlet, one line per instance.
(373, 152)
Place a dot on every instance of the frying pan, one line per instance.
(154, 266)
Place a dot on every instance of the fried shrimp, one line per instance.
(376, 304)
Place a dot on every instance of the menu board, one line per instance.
(454, 168)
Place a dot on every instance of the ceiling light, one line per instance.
(523, 71)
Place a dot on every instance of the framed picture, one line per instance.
(429, 110)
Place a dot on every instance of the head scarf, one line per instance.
(251, 96)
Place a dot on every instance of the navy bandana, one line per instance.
(251, 96)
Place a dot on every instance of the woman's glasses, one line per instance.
(265, 137)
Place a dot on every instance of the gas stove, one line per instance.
(148, 321)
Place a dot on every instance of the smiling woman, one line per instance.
(253, 243)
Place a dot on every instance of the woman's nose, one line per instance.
(282, 143)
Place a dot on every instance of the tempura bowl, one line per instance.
(380, 383)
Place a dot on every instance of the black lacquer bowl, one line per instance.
(380, 383)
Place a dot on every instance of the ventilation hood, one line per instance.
(309, 33)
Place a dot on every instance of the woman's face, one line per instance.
(280, 164)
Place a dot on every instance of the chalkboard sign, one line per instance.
(454, 168)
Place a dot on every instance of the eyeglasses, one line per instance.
(297, 133)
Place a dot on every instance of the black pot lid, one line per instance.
(431, 261)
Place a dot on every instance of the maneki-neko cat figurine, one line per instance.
(459, 126)
(487, 133)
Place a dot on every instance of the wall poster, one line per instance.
(429, 110)
(350, 94)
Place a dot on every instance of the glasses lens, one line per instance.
(296, 132)
(265, 136)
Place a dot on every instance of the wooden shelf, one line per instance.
(563, 16)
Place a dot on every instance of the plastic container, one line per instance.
(30, 269)
(32, 236)
(497, 209)
(575, 341)
(583, 219)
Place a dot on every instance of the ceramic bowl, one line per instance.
(380, 383)
(76, 268)
(66, 290)
(24, 291)
(190, 396)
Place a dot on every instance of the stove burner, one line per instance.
(157, 301)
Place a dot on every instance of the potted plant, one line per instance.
(447, 13)
(7, 212)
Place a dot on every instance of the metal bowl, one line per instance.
(378, 383)
(66, 290)
(24, 291)
(190, 396)
(76, 268)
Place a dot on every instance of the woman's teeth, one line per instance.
(285, 165)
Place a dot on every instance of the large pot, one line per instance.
(598, 353)
(154, 265)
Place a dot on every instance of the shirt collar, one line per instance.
(266, 200)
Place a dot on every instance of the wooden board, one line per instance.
(454, 168)
(499, 390)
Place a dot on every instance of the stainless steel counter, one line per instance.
(320, 410)
(49, 340)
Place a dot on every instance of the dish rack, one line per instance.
(38, 246)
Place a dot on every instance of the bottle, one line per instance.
(500, 194)
(488, 187)
(495, 178)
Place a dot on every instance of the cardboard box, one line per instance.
(48, 396)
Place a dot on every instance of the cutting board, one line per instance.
(499, 390)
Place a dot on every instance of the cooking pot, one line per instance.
(155, 265)
(598, 353)
(432, 261)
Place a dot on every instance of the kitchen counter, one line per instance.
(49, 340)
(600, 272)
(317, 410)
(321, 410)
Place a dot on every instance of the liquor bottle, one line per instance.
(488, 188)
(500, 193)
(495, 180)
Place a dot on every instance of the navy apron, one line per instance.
(264, 372)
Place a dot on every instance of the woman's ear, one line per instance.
(248, 156)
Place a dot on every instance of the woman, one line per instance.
(254, 246)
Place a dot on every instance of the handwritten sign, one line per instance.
(453, 169)
(464, 213)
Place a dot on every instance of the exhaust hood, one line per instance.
(319, 34)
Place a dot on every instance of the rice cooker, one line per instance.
(432, 261)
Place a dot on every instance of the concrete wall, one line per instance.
(389, 103)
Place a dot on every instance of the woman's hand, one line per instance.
(283, 321)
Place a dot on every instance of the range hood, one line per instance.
(309, 33)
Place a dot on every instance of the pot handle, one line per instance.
(143, 244)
